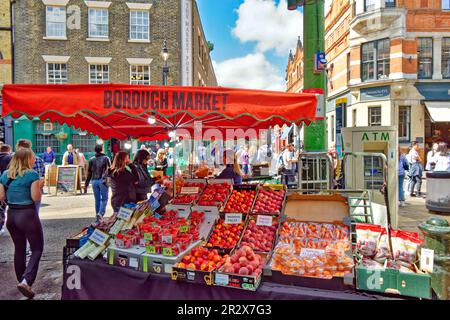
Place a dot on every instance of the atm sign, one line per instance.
(375, 136)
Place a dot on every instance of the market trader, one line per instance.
(232, 169)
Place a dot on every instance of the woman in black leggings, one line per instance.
(19, 186)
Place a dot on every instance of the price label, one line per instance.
(184, 229)
(233, 218)
(311, 253)
(190, 190)
(262, 220)
(222, 279)
(426, 259)
(125, 214)
(99, 237)
(150, 249)
(167, 252)
(134, 263)
(148, 236)
(166, 239)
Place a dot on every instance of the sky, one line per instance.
(252, 39)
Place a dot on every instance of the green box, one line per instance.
(393, 281)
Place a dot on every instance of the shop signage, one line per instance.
(186, 42)
(375, 136)
(67, 178)
(375, 93)
(434, 91)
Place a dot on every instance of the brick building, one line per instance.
(76, 41)
(389, 64)
(294, 69)
(5, 53)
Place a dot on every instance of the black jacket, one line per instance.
(145, 182)
(123, 186)
(5, 159)
(98, 167)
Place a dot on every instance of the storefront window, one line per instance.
(425, 58)
(45, 137)
(374, 116)
(404, 124)
(446, 57)
(84, 142)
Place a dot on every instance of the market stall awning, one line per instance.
(123, 111)
(439, 110)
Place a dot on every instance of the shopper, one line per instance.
(38, 166)
(161, 162)
(5, 159)
(48, 156)
(416, 170)
(245, 160)
(403, 167)
(97, 173)
(122, 180)
(20, 187)
(431, 161)
(70, 157)
(145, 182)
(289, 162)
(442, 158)
(232, 169)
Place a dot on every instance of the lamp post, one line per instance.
(165, 56)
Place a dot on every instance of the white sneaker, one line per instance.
(402, 204)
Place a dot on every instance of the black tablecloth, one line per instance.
(99, 280)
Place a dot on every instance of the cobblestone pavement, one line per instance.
(65, 216)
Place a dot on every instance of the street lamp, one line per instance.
(165, 56)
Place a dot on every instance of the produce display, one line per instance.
(269, 201)
(259, 238)
(244, 262)
(215, 194)
(224, 235)
(240, 201)
(189, 198)
(202, 259)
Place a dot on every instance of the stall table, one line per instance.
(101, 281)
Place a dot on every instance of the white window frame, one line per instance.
(91, 23)
(143, 66)
(60, 72)
(47, 35)
(97, 72)
(445, 4)
(131, 39)
(407, 124)
(370, 115)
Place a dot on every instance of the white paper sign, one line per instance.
(134, 263)
(310, 253)
(263, 220)
(125, 214)
(222, 279)
(426, 259)
(99, 237)
(190, 190)
(233, 218)
(166, 239)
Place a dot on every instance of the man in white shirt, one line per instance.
(289, 161)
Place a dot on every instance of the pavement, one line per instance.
(63, 216)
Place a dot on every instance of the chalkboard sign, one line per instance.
(67, 178)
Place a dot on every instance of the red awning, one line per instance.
(122, 111)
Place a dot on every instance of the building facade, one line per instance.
(389, 65)
(6, 56)
(294, 69)
(97, 42)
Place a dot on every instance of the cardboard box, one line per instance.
(240, 187)
(195, 276)
(127, 258)
(250, 283)
(211, 217)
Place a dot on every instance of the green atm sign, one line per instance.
(375, 136)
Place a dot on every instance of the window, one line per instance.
(98, 23)
(140, 74)
(389, 3)
(44, 138)
(375, 60)
(425, 58)
(98, 73)
(55, 21)
(445, 4)
(374, 116)
(139, 25)
(56, 73)
(404, 123)
(354, 115)
(332, 128)
(369, 5)
(84, 142)
(446, 57)
(348, 68)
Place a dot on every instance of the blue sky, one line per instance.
(251, 40)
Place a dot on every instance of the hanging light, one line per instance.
(151, 120)
(171, 134)
(99, 141)
(127, 145)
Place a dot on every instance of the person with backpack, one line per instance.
(5, 159)
(97, 171)
(403, 167)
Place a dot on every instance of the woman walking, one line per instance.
(19, 186)
(123, 181)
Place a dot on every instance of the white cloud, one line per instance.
(272, 27)
(252, 71)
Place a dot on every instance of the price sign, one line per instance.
(190, 190)
(99, 237)
(426, 259)
(150, 249)
(125, 214)
(167, 252)
(262, 220)
(310, 253)
(233, 218)
(184, 229)
(148, 236)
(166, 239)
(222, 279)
